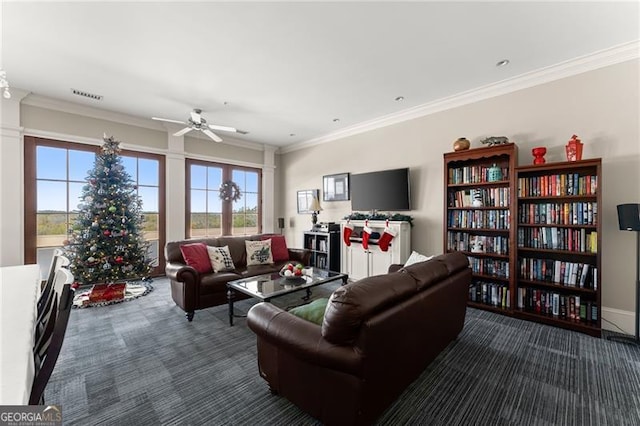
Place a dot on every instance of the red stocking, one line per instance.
(386, 238)
(366, 233)
(346, 234)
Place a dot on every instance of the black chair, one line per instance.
(44, 327)
(45, 359)
(57, 261)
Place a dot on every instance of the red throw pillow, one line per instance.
(279, 249)
(196, 255)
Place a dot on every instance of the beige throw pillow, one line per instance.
(416, 257)
(220, 258)
(258, 252)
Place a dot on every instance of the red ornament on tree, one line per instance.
(119, 259)
(107, 232)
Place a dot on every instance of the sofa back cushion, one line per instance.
(196, 256)
(353, 303)
(436, 269)
(278, 247)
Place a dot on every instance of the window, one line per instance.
(55, 173)
(208, 215)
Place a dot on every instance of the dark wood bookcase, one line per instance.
(485, 233)
(325, 249)
(558, 244)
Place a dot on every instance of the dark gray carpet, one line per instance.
(142, 363)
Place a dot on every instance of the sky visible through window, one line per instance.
(52, 178)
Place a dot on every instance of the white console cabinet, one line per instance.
(359, 263)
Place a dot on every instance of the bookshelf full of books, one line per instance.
(558, 244)
(480, 220)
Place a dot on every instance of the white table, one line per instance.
(19, 291)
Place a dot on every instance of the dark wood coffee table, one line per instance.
(268, 286)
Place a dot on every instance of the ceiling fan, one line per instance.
(197, 122)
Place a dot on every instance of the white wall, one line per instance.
(600, 106)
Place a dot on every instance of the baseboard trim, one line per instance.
(623, 319)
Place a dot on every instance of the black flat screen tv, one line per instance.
(387, 190)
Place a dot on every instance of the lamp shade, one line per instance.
(315, 205)
(629, 217)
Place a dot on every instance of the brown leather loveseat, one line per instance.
(192, 290)
(377, 336)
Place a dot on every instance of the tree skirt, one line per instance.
(133, 291)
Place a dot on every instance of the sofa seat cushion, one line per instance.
(213, 283)
(354, 303)
(253, 270)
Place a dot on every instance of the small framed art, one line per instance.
(335, 187)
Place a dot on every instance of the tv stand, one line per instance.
(359, 263)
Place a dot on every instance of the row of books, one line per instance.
(485, 266)
(491, 294)
(490, 219)
(463, 241)
(322, 245)
(570, 307)
(557, 185)
(321, 261)
(579, 213)
(569, 274)
(488, 197)
(473, 174)
(554, 238)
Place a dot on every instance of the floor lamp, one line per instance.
(629, 220)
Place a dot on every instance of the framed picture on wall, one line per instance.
(335, 187)
(305, 198)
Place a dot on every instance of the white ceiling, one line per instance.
(293, 67)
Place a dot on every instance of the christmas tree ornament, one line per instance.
(93, 248)
(106, 266)
(386, 237)
(91, 259)
(107, 232)
(112, 209)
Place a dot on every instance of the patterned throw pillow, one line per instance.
(221, 259)
(258, 252)
(416, 257)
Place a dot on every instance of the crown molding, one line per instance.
(101, 114)
(603, 58)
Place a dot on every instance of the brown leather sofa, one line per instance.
(377, 336)
(192, 291)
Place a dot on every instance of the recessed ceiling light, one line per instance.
(225, 103)
(335, 120)
(399, 98)
(502, 63)
(292, 134)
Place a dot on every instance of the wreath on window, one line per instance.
(230, 191)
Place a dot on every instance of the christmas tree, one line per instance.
(105, 243)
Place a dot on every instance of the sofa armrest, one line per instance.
(181, 273)
(301, 338)
(300, 255)
(395, 267)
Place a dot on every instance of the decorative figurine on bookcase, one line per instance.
(494, 174)
(538, 155)
(477, 244)
(386, 237)
(574, 149)
(461, 144)
(476, 197)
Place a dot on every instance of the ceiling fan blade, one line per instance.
(183, 131)
(195, 116)
(167, 120)
(212, 135)
(222, 128)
